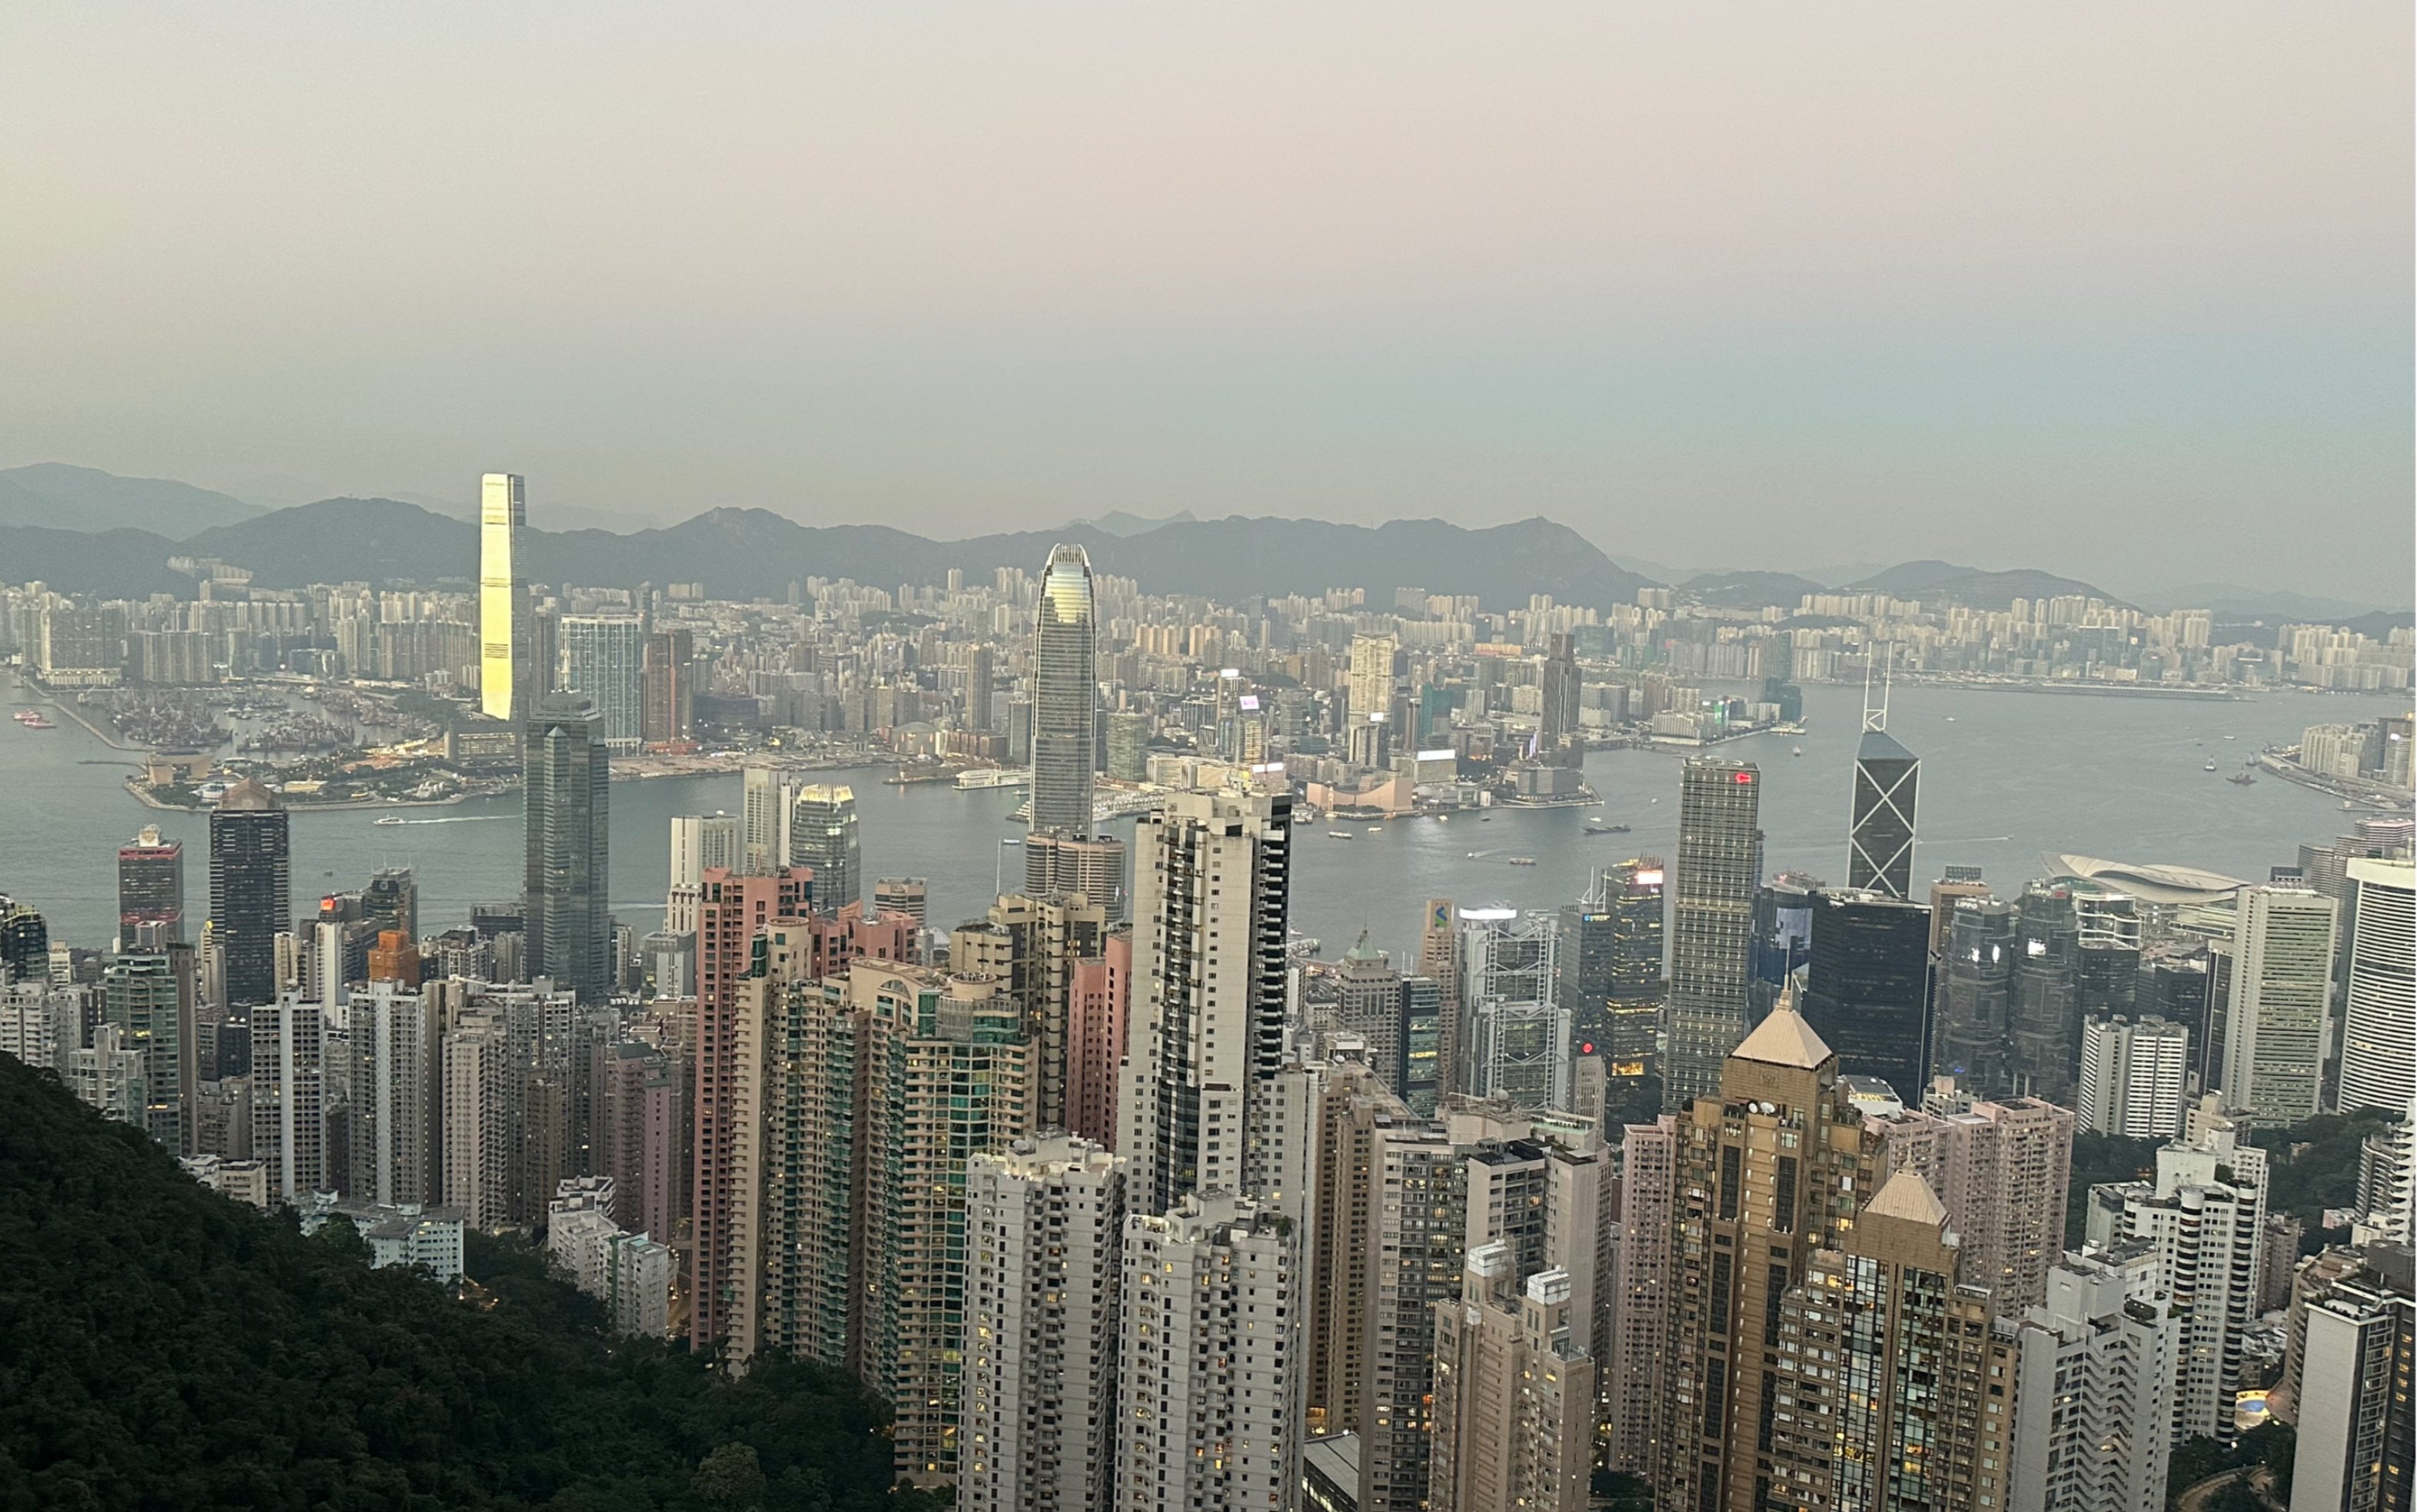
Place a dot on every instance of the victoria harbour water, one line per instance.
(2006, 777)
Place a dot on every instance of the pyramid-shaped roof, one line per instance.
(1784, 1038)
(1906, 1196)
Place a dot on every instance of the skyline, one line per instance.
(2105, 296)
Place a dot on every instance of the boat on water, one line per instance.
(1523, 860)
(993, 777)
(1798, 752)
(388, 819)
(1375, 829)
(1340, 835)
(2210, 767)
(1607, 829)
(34, 722)
(2240, 780)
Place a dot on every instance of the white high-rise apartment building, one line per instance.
(1210, 1409)
(2282, 985)
(508, 686)
(762, 819)
(2205, 1216)
(2379, 1057)
(1044, 1234)
(2132, 1077)
(603, 658)
(2096, 1366)
(2353, 1368)
(289, 1096)
(394, 1069)
(700, 843)
(1204, 1048)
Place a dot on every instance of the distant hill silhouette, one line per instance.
(86, 498)
(754, 554)
(1750, 590)
(1973, 586)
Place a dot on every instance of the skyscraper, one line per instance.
(2096, 1366)
(566, 821)
(1056, 862)
(1976, 997)
(2358, 1357)
(763, 819)
(251, 896)
(604, 658)
(1610, 963)
(1880, 836)
(139, 997)
(822, 835)
(668, 695)
(1065, 695)
(507, 657)
(2044, 1007)
(150, 889)
(2275, 1022)
(1369, 701)
(1211, 1319)
(1867, 986)
(1514, 1391)
(1044, 1238)
(2379, 1059)
(1515, 1037)
(2001, 1169)
(1371, 1008)
(1558, 727)
(1711, 921)
(1205, 1022)
(25, 942)
(2133, 1078)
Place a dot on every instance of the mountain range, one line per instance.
(84, 531)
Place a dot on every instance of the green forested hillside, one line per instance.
(161, 1347)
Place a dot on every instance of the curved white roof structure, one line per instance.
(2149, 883)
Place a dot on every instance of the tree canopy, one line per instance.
(169, 1348)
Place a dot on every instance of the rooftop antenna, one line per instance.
(1875, 715)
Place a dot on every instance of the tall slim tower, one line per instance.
(151, 887)
(1064, 694)
(567, 829)
(1711, 922)
(1880, 833)
(506, 664)
(2276, 1024)
(250, 890)
(822, 835)
(603, 658)
(1369, 702)
(2380, 1029)
(1204, 1045)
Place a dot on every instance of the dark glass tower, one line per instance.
(2046, 1018)
(1879, 835)
(1609, 958)
(1783, 936)
(1976, 998)
(25, 943)
(565, 824)
(1711, 922)
(250, 891)
(1867, 986)
(1065, 695)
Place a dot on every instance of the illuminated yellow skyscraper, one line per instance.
(507, 690)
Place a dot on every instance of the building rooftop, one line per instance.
(1784, 1038)
(1906, 1196)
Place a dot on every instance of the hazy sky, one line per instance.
(2117, 290)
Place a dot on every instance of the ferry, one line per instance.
(2240, 780)
(1523, 860)
(994, 776)
(390, 819)
(1340, 835)
(1607, 829)
(32, 719)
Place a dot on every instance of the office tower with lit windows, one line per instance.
(1769, 1170)
(1610, 963)
(1880, 836)
(2379, 1056)
(1868, 986)
(1557, 728)
(1065, 695)
(250, 890)
(1783, 937)
(1711, 922)
(566, 847)
(1205, 1017)
(1847, 1423)
(823, 839)
(603, 659)
(150, 889)
(1044, 1260)
(1440, 962)
(2275, 1024)
(508, 666)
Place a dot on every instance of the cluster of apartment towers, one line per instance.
(1114, 1218)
